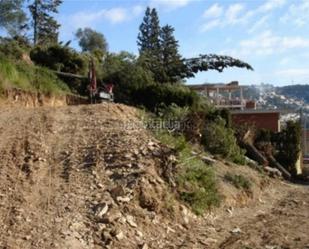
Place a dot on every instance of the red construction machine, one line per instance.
(101, 93)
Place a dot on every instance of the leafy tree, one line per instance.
(126, 74)
(91, 40)
(45, 27)
(12, 17)
(172, 62)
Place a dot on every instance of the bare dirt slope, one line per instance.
(81, 177)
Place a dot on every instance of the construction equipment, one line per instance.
(98, 94)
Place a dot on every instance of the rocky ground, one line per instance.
(88, 177)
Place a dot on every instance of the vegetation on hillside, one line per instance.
(295, 91)
(239, 181)
(285, 145)
(29, 77)
(196, 183)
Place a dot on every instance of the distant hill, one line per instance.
(290, 97)
(295, 91)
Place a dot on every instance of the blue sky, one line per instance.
(271, 35)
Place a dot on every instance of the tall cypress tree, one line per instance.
(172, 63)
(154, 38)
(148, 41)
(45, 27)
(144, 34)
(149, 32)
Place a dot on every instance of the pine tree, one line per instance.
(172, 62)
(148, 38)
(159, 53)
(148, 41)
(45, 27)
(144, 34)
(154, 39)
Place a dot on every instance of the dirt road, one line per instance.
(283, 225)
(79, 177)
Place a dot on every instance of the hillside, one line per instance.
(81, 177)
(22, 74)
(295, 91)
(289, 99)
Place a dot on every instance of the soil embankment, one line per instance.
(84, 177)
(19, 98)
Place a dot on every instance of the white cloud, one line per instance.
(238, 14)
(93, 18)
(267, 43)
(213, 11)
(169, 4)
(115, 15)
(210, 25)
(233, 12)
(293, 72)
(294, 42)
(271, 5)
(261, 23)
(217, 17)
(297, 14)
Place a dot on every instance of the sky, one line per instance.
(271, 35)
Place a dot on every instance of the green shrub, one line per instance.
(13, 48)
(59, 58)
(220, 140)
(178, 142)
(155, 95)
(239, 181)
(288, 146)
(216, 114)
(197, 187)
(196, 182)
(175, 117)
(173, 112)
(64, 59)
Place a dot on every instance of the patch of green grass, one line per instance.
(9, 76)
(239, 181)
(29, 78)
(196, 182)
